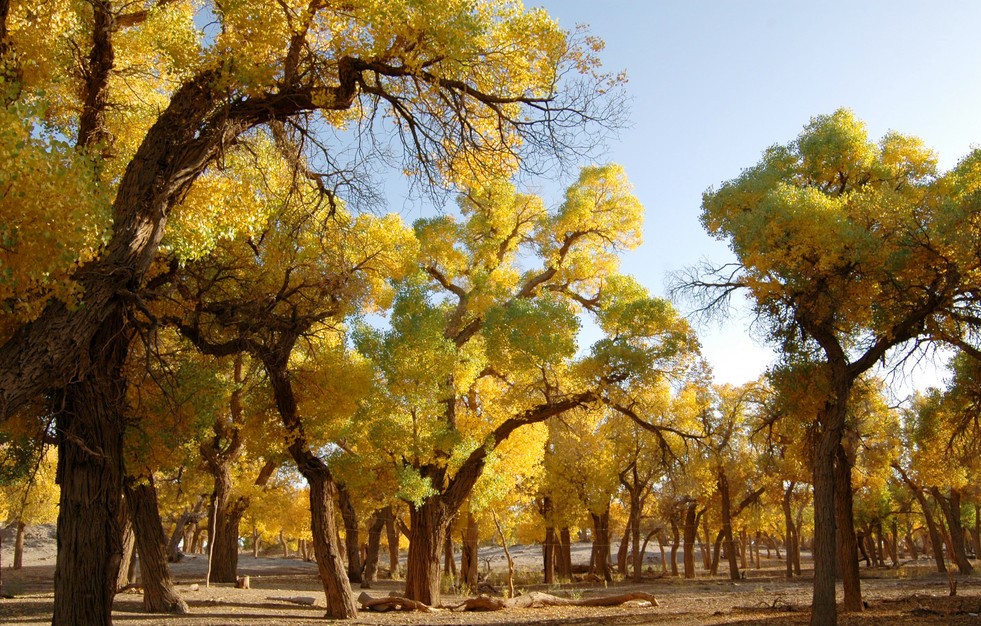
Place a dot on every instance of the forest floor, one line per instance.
(907, 596)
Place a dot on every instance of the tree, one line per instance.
(847, 249)
(472, 90)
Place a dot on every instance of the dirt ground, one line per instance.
(907, 596)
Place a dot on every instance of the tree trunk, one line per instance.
(976, 531)
(255, 542)
(951, 507)
(675, 542)
(638, 553)
(468, 554)
(845, 525)
(337, 588)
(824, 609)
(723, 483)
(791, 530)
(691, 531)
(19, 545)
(352, 539)
(935, 539)
(129, 555)
(159, 595)
(548, 547)
(185, 521)
(449, 561)
(601, 544)
(428, 524)
(378, 520)
(89, 422)
(392, 534)
(225, 518)
(623, 550)
(565, 554)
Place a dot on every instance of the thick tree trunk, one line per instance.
(845, 525)
(623, 551)
(352, 537)
(19, 545)
(378, 520)
(548, 555)
(951, 507)
(601, 544)
(129, 554)
(428, 524)
(638, 554)
(449, 561)
(159, 595)
(89, 421)
(824, 609)
(469, 564)
(337, 588)
(723, 483)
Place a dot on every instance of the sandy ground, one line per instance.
(908, 596)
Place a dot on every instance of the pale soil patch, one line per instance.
(911, 596)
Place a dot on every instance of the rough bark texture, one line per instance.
(129, 547)
(159, 595)
(19, 545)
(951, 507)
(934, 533)
(352, 537)
(845, 526)
(601, 545)
(89, 422)
(690, 532)
(564, 560)
(184, 522)
(392, 535)
(723, 483)
(789, 528)
(378, 520)
(468, 554)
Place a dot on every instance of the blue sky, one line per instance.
(713, 83)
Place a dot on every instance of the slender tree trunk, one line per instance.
(845, 524)
(255, 542)
(159, 595)
(378, 520)
(791, 530)
(428, 523)
(691, 530)
(180, 533)
(976, 531)
(951, 507)
(89, 422)
(129, 554)
(723, 483)
(623, 551)
(548, 555)
(675, 542)
(934, 533)
(449, 561)
(565, 553)
(19, 545)
(352, 540)
(392, 534)
(638, 553)
(716, 551)
(337, 588)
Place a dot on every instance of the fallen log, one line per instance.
(392, 602)
(536, 600)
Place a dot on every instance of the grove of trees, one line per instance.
(212, 336)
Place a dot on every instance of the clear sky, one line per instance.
(713, 83)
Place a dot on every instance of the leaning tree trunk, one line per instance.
(180, 533)
(428, 524)
(129, 547)
(159, 595)
(352, 540)
(791, 529)
(935, 539)
(951, 507)
(378, 520)
(89, 422)
(675, 542)
(845, 526)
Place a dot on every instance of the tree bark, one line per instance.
(392, 534)
(89, 421)
(19, 545)
(791, 529)
(352, 538)
(378, 520)
(427, 527)
(690, 534)
(951, 507)
(935, 538)
(565, 554)
(675, 541)
(845, 526)
(187, 518)
(159, 595)
(469, 564)
(723, 483)
(601, 544)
